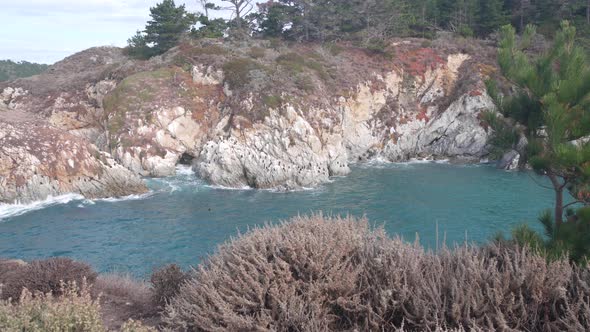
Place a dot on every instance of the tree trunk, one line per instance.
(522, 15)
(238, 18)
(558, 187)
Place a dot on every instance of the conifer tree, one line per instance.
(167, 25)
(490, 16)
(559, 82)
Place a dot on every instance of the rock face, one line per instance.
(288, 119)
(37, 161)
(510, 161)
(282, 152)
(400, 120)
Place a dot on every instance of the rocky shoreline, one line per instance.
(97, 122)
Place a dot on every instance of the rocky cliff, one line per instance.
(263, 115)
(38, 160)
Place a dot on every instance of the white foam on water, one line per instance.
(185, 178)
(219, 187)
(380, 163)
(124, 198)
(17, 209)
(294, 190)
(426, 161)
(184, 170)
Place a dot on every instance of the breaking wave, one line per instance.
(17, 209)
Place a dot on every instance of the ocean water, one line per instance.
(183, 220)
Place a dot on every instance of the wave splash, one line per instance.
(184, 179)
(17, 209)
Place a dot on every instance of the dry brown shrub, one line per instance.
(45, 276)
(489, 289)
(166, 283)
(334, 274)
(7, 267)
(278, 278)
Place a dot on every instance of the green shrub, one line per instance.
(46, 276)
(377, 46)
(426, 43)
(273, 101)
(237, 72)
(504, 136)
(276, 43)
(318, 274)
(166, 283)
(297, 63)
(257, 52)
(335, 49)
(571, 241)
(527, 237)
(216, 50)
(304, 83)
(73, 311)
(466, 31)
(291, 61)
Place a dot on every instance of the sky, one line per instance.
(46, 31)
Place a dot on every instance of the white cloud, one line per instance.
(48, 30)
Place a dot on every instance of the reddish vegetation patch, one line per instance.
(475, 93)
(377, 85)
(423, 115)
(418, 62)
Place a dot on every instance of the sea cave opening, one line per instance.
(186, 159)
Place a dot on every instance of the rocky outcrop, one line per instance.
(513, 159)
(398, 121)
(510, 161)
(37, 161)
(172, 117)
(282, 152)
(289, 118)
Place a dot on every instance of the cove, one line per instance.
(183, 220)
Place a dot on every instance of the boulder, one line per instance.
(510, 161)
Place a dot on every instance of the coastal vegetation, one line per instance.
(322, 273)
(552, 101)
(10, 70)
(367, 24)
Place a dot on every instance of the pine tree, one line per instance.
(167, 25)
(490, 16)
(558, 81)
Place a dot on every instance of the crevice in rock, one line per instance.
(186, 159)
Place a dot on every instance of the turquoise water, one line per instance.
(183, 220)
